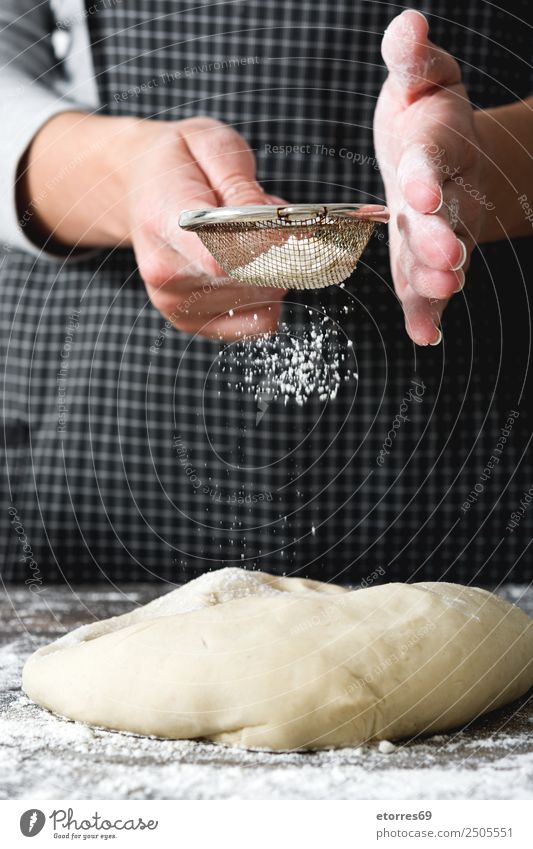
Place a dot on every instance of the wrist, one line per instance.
(505, 136)
(76, 178)
(124, 149)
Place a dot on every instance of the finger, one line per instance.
(430, 282)
(420, 180)
(425, 165)
(415, 64)
(460, 213)
(159, 263)
(213, 165)
(177, 284)
(432, 241)
(227, 162)
(217, 297)
(224, 163)
(209, 297)
(180, 289)
(422, 318)
(277, 201)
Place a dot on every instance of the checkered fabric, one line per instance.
(130, 455)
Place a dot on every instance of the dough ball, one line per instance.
(252, 660)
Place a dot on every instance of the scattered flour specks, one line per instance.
(315, 360)
(386, 747)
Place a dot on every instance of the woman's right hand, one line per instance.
(195, 163)
(95, 181)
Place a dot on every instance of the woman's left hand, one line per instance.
(429, 157)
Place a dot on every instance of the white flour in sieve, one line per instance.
(292, 364)
(307, 257)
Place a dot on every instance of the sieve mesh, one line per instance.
(292, 252)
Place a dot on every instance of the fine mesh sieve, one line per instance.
(293, 247)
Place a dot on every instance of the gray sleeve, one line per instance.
(34, 86)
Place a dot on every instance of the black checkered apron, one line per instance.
(128, 455)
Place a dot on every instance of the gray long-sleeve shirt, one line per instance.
(45, 68)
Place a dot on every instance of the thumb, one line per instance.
(227, 162)
(415, 64)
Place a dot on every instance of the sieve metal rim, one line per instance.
(195, 219)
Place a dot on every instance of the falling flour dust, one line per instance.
(291, 364)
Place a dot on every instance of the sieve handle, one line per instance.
(300, 212)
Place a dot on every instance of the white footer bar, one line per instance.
(268, 824)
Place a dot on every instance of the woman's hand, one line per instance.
(195, 163)
(429, 157)
(98, 181)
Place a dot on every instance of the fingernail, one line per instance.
(463, 258)
(439, 207)
(438, 340)
(462, 278)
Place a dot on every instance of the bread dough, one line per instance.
(249, 659)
